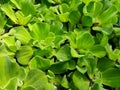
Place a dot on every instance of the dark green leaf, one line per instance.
(111, 77)
(59, 68)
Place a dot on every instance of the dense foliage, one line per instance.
(59, 44)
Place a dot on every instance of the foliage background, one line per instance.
(59, 44)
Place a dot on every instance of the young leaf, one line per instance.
(64, 82)
(64, 17)
(64, 8)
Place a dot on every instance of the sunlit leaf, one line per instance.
(39, 31)
(9, 12)
(24, 54)
(85, 41)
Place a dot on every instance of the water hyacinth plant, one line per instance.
(59, 44)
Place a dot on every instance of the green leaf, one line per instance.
(56, 27)
(107, 14)
(85, 41)
(49, 39)
(22, 20)
(88, 1)
(2, 22)
(9, 70)
(29, 88)
(64, 17)
(28, 8)
(104, 64)
(63, 54)
(104, 40)
(82, 70)
(72, 64)
(39, 62)
(22, 75)
(21, 34)
(72, 39)
(80, 81)
(12, 85)
(64, 82)
(91, 66)
(24, 54)
(98, 51)
(74, 4)
(74, 17)
(9, 12)
(117, 31)
(111, 77)
(58, 41)
(86, 21)
(97, 87)
(50, 74)
(74, 53)
(36, 79)
(39, 31)
(105, 29)
(17, 3)
(93, 9)
(10, 42)
(50, 15)
(97, 8)
(81, 65)
(49, 86)
(63, 8)
(112, 54)
(116, 3)
(59, 68)
(4, 51)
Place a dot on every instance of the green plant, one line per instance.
(63, 44)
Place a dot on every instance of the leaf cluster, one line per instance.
(59, 44)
